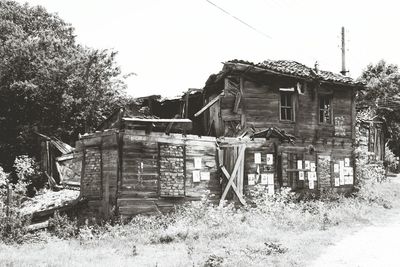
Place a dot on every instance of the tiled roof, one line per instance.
(293, 68)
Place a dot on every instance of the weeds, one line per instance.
(225, 235)
(63, 227)
(214, 261)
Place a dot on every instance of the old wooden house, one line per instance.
(316, 107)
(271, 125)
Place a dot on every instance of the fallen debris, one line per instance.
(49, 200)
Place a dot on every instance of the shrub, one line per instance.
(214, 261)
(379, 193)
(391, 160)
(13, 226)
(275, 248)
(62, 226)
(28, 174)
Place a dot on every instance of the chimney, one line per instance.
(316, 67)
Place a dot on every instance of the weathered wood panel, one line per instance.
(259, 108)
(141, 171)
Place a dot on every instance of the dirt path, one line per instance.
(377, 245)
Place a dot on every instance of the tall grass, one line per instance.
(286, 229)
(256, 234)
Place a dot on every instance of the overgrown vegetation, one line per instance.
(382, 94)
(207, 235)
(13, 226)
(48, 82)
(27, 174)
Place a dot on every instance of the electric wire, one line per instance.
(240, 20)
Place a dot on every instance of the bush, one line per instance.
(13, 226)
(391, 160)
(214, 261)
(62, 226)
(28, 173)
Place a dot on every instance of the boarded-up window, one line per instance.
(172, 170)
(92, 180)
(298, 169)
(286, 103)
(324, 171)
(325, 109)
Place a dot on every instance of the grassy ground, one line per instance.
(276, 233)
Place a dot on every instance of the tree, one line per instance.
(48, 82)
(382, 94)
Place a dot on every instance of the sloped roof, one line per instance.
(60, 145)
(293, 68)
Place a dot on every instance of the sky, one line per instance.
(176, 44)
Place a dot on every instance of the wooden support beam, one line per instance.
(157, 120)
(212, 102)
(232, 177)
(210, 129)
(50, 180)
(234, 187)
(187, 104)
(298, 170)
(238, 97)
(169, 126)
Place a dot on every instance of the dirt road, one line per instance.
(377, 245)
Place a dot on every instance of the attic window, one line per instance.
(286, 106)
(325, 109)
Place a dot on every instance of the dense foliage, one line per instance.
(13, 225)
(383, 95)
(48, 82)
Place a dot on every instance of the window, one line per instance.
(287, 106)
(325, 109)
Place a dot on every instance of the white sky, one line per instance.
(176, 44)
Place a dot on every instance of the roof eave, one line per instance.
(249, 67)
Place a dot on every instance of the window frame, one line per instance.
(330, 97)
(291, 107)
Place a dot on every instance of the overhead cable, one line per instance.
(240, 20)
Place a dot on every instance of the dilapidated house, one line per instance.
(273, 124)
(316, 107)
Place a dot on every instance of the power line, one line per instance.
(240, 20)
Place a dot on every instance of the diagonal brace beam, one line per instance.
(234, 187)
(234, 172)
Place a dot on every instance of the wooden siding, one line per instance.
(140, 172)
(259, 108)
(99, 177)
(124, 169)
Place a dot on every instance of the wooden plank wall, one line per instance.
(99, 177)
(263, 147)
(315, 152)
(140, 187)
(260, 108)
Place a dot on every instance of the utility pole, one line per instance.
(344, 71)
